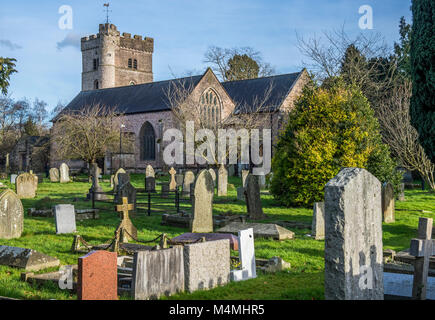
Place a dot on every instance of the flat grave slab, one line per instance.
(27, 259)
(187, 238)
(184, 220)
(261, 230)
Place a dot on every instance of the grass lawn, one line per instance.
(303, 281)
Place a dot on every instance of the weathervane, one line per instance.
(107, 12)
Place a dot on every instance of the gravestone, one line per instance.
(13, 178)
(27, 259)
(112, 181)
(179, 178)
(126, 228)
(26, 186)
(98, 276)
(173, 183)
(203, 204)
(262, 181)
(11, 215)
(150, 179)
(165, 189)
(150, 184)
(187, 238)
(318, 225)
(388, 202)
(65, 218)
(64, 173)
(206, 265)
(213, 175)
(149, 172)
(253, 199)
(261, 230)
(401, 195)
(125, 190)
(231, 170)
(116, 179)
(54, 175)
(222, 181)
(353, 237)
(247, 257)
(189, 179)
(158, 273)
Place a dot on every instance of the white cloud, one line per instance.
(10, 45)
(71, 40)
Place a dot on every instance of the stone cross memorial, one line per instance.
(26, 186)
(126, 228)
(173, 183)
(65, 218)
(353, 237)
(247, 257)
(388, 202)
(422, 250)
(64, 173)
(203, 204)
(11, 215)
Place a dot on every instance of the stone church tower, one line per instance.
(111, 60)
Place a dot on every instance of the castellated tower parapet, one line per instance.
(111, 60)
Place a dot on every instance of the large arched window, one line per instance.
(147, 142)
(210, 108)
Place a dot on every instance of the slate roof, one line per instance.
(261, 94)
(152, 97)
(148, 97)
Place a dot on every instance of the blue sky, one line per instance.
(182, 31)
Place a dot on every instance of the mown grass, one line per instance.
(303, 281)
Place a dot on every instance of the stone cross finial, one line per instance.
(421, 249)
(173, 183)
(125, 207)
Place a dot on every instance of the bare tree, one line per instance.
(402, 137)
(219, 59)
(86, 134)
(189, 107)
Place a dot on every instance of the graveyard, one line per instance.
(304, 279)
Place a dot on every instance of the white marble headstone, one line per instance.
(247, 256)
(65, 217)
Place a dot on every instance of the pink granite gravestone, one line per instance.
(98, 276)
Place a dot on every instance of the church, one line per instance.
(117, 72)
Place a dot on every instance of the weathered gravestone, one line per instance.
(213, 175)
(27, 259)
(318, 225)
(65, 218)
(245, 174)
(401, 194)
(125, 190)
(179, 178)
(127, 231)
(165, 189)
(158, 273)
(11, 215)
(262, 181)
(189, 179)
(253, 199)
(222, 181)
(26, 186)
(173, 183)
(353, 237)
(64, 173)
(247, 257)
(203, 204)
(388, 202)
(150, 184)
(98, 276)
(241, 194)
(54, 175)
(116, 179)
(206, 265)
(150, 179)
(187, 238)
(13, 178)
